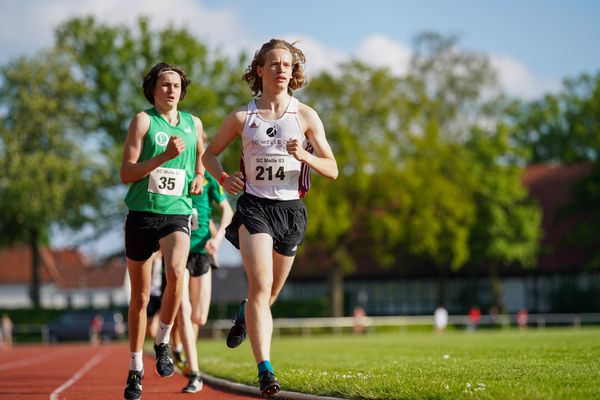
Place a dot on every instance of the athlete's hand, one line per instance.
(175, 147)
(197, 185)
(295, 149)
(214, 253)
(234, 183)
(212, 247)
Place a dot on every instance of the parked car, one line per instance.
(77, 325)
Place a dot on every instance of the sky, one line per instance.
(533, 44)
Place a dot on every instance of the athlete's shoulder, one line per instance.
(141, 121)
(306, 110)
(146, 114)
(237, 116)
(307, 114)
(241, 111)
(197, 121)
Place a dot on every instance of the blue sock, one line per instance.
(265, 366)
(241, 315)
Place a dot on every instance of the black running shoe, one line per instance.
(164, 363)
(133, 387)
(268, 384)
(194, 384)
(237, 333)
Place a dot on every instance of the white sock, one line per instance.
(135, 361)
(179, 348)
(164, 333)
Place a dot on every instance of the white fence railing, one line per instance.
(307, 325)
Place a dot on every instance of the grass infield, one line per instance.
(553, 363)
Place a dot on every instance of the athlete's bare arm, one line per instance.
(131, 170)
(231, 127)
(323, 160)
(197, 184)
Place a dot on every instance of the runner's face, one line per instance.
(277, 70)
(168, 90)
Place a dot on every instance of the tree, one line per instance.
(112, 60)
(401, 193)
(365, 129)
(508, 227)
(49, 173)
(565, 128)
(409, 188)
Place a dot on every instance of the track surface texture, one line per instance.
(84, 372)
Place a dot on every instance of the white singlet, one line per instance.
(269, 170)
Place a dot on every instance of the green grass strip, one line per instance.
(554, 363)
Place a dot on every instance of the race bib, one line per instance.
(269, 170)
(168, 181)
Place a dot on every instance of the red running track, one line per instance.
(83, 372)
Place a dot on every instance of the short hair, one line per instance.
(298, 60)
(149, 82)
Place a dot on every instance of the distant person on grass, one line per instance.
(440, 318)
(474, 318)
(282, 139)
(162, 162)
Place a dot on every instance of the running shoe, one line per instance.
(194, 384)
(268, 384)
(133, 387)
(237, 333)
(164, 363)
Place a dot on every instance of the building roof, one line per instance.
(66, 268)
(552, 187)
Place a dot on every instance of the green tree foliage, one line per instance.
(413, 166)
(47, 174)
(112, 60)
(565, 128)
(508, 228)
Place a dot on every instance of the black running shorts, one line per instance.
(284, 220)
(199, 263)
(143, 230)
(153, 305)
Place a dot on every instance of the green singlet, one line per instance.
(166, 189)
(213, 192)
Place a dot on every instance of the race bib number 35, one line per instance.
(169, 181)
(270, 170)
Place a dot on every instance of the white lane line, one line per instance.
(82, 371)
(25, 362)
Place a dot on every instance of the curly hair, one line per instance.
(151, 78)
(298, 60)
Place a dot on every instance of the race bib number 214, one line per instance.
(270, 170)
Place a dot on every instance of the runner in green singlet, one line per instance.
(162, 162)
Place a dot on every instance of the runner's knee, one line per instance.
(139, 301)
(199, 320)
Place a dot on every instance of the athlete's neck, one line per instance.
(273, 106)
(171, 115)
